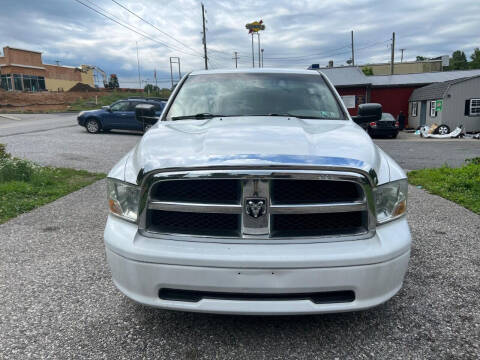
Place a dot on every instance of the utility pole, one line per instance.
(155, 76)
(235, 57)
(262, 58)
(253, 54)
(138, 67)
(175, 60)
(353, 51)
(401, 58)
(393, 55)
(259, 55)
(204, 38)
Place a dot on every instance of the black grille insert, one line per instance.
(345, 223)
(313, 191)
(328, 297)
(194, 223)
(220, 191)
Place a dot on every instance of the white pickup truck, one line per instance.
(256, 193)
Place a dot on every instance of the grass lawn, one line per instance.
(460, 185)
(25, 185)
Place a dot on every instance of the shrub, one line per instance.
(12, 169)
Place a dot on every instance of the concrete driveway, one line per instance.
(57, 299)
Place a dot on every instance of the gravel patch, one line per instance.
(417, 153)
(57, 298)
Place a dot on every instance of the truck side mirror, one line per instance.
(367, 113)
(145, 113)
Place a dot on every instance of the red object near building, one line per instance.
(393, 99)
(360, 94)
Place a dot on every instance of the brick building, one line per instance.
(23, 70)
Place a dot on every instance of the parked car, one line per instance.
(256, 193)
(120, 115)
(387, 126)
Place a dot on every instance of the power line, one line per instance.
(132, 28)
(152, 25)
(303, 56)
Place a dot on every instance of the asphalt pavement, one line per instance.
(57, 299)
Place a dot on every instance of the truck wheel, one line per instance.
(442, 130)
(92, 126)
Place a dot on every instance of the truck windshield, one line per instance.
(255, 94)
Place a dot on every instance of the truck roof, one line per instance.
(255, 70)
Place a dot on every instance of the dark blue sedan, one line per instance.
(120, 115)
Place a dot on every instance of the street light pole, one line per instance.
(138, 67)
(259, 55)
(253, 54)
(236, 59)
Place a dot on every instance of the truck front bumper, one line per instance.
(373, 269)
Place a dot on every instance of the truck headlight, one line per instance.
(391, 200)
(123, 199)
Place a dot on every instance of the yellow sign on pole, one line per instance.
(255, 26)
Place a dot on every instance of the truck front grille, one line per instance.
(313, 191)
(291, 225)
(195, 223)
(258, 207)
(219, 191)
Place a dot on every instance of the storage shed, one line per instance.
(452, 103)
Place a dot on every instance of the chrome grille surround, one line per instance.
(255, 182)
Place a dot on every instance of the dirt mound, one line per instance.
(82, 88)
(11, 101)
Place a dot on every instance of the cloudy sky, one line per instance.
(298, 33)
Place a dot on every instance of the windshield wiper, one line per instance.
(196, 116)
(290, 115)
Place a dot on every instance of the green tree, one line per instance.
(368, 71)
(475, 63)
(151, 89)
(421, 58)
(458, 61)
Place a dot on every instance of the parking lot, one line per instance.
(57, 298)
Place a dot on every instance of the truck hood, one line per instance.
(252, 141)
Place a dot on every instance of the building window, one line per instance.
(474, 107)
(17, 82)
(433, 112)
(41, 83)
(6, 82)
(414, 108)
(27, 83)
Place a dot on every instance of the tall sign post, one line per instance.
(255, 27)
